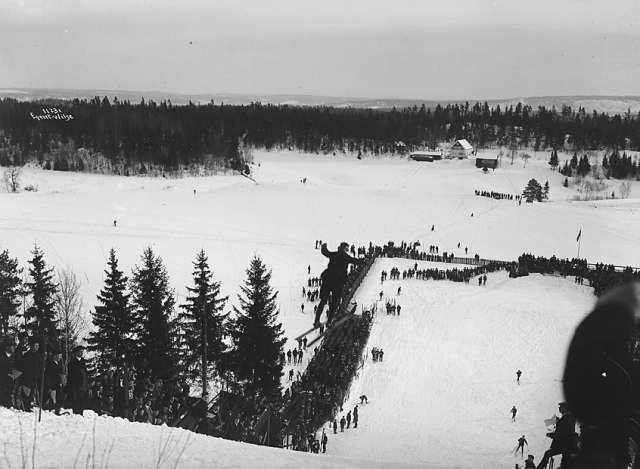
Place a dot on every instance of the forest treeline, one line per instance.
(124, 137)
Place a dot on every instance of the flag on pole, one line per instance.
(579, 234)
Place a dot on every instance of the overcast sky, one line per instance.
(427, 49)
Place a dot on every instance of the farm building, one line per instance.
(460, 149)
(425, 155)
(487, 161)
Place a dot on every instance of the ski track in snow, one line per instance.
(442, 396)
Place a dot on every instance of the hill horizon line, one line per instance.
(603, 103)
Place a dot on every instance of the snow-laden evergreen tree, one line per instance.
(112, 341)
(40, 318)
(153, 303)
(10, 289)
(257, 337)
(203, 325)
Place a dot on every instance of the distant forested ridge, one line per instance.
(124, 137)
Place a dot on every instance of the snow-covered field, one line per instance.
(443, 394)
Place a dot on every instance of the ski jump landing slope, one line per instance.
(443, 394)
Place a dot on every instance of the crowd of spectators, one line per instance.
(454, 275)
(498, 195)
(601, 277)
(316, 396)
(31, 375)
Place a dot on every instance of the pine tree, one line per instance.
(533, 191)
(112, 341)
(553, 160)
(605, 164)
(40, 318)
(566, 169)
(574, 161)
(203, 324)
(257, 338)
(583, 166)
(10, 289)
(545, 191)
(153, 302)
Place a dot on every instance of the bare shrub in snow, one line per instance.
(625, 189)
(11, 178)
(590, 189)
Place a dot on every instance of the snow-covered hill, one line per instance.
(442, 395)
(71, 441)
(71, 218)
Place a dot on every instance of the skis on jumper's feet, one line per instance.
(334, 324)
(309, 331)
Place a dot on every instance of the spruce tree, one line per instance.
(257, 338)
(153, 302)
(533, 191)
(40, 318)
(10, 289)
(553, 160)
(112, 341)
(203, 324)
(583, 166)
(566, 169)
(574, 161)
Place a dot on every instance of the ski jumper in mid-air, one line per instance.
(333, 279)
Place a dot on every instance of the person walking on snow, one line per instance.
(518, 374)
(348, 419)
(324, 441)
(342, 424)
(335, 426)
(521, 442)
(514, 411)
(355, 416)
(333, 279)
